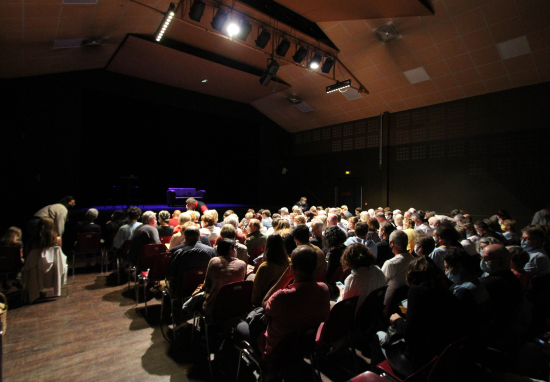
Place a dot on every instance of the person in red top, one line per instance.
(305, 303)
(174, 221)
(196, 205)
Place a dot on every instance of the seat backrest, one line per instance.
(88, 242)
(339, 323)
(293, 347)
(256, 251)
(233, 300)
(158, 266)
(368, 376)
(165, 239)
(337, 275)
(399, 295)
(125, 249)
(190, 280)
(449, 360)
(372, 308)
(321, 275)
(148, 254)
(10, 259)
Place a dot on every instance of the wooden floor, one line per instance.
(96, 334)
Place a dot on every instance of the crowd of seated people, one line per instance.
(453, 272)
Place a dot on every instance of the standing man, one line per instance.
(195, 205)
(59, 212)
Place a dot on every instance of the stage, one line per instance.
(220, 207)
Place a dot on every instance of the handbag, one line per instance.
(255, 321)
(392, 337)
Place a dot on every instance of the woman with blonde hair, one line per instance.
(274, 265)
(46, 265)
(209, 227)
(182, 219)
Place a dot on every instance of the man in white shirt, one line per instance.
(395, 269)
(532, 241)
(421, 226)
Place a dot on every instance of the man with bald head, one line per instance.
(174, 221)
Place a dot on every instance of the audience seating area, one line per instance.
(345, 346)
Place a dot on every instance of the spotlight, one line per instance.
(219, 20)
(263, 39)
(232, 29)
(165, 22)
(300, 55)
(327, 65)
(315, 61)
(197, 10)
(269, 73)
(245, 30)
(283, 47)
(339, 86)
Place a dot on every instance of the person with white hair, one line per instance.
(397, 212)
(88, 224)
(239, 237)
(371, 212)
(434, 222)
(143, 235)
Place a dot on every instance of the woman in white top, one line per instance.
(209, 228)
(46, 265)
(365, 275)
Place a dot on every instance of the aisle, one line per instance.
(94, 334)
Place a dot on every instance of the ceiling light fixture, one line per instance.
(219, 20)
(327, 65)
(263, 38)
(170, 13)
(269, 73)
(339, 86)
(315, 61)
(197, 10)
(245, 29)
(300, 55)
(283, 47)
(233, 29)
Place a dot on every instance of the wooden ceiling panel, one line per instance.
(143, 59)
(456, 47)
(329, 10)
